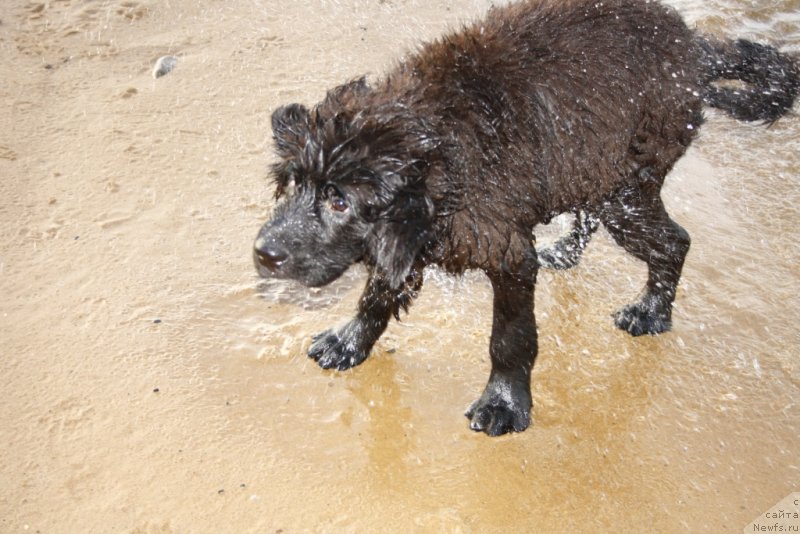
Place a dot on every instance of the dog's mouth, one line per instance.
(262, 270)
(289, 267)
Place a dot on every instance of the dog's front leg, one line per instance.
(350, 345)
(506, 402)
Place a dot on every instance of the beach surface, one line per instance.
(152, 384)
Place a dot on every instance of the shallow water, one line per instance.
(153, 384)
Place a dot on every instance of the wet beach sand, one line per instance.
(151, 384)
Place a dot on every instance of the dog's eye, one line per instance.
(334, 199)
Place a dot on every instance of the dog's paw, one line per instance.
(639, 318)
(332, 351)
(501, 409)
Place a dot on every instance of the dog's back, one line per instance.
(545, 106)
(561, 98)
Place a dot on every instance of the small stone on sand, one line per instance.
(164, 65)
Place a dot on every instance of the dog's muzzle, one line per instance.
(268, 256)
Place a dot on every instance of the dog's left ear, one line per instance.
(401, 234)
(289, 125)
(339, 96)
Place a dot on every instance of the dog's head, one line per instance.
(350, 182)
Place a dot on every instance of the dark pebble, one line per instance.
(157, 321)
(156, 390)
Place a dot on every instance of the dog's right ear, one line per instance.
(400, 235)
(289, 125)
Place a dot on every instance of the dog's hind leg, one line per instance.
(566, 252)
(505, 404)
(637, 220)
(351, 344)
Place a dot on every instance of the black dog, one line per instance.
(542, 108)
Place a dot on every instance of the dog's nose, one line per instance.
(270, 254)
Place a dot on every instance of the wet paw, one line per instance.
(332, 351)
(500, 410)
(639, 319)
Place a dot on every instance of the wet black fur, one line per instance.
(541, 108)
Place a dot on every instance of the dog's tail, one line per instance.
(771, 78)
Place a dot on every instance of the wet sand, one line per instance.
(151, 385)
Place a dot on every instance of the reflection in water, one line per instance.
(386, 433)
